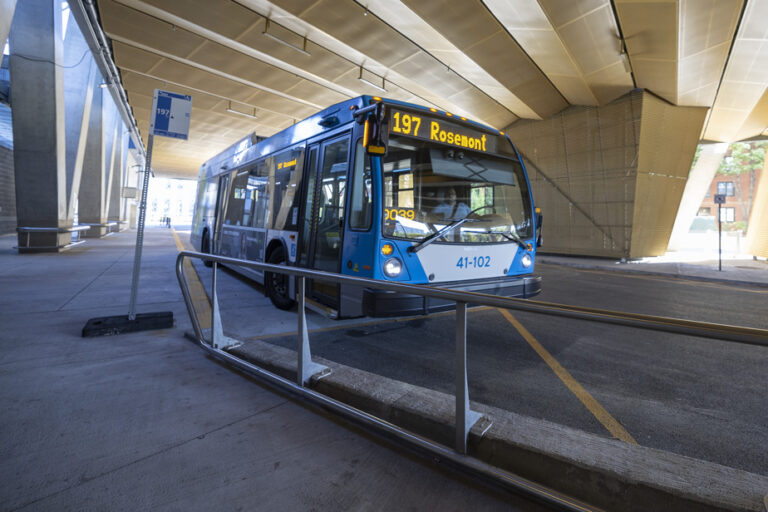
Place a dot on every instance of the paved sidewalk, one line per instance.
(146, 421)
(736, 270)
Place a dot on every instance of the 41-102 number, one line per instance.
(466, 262)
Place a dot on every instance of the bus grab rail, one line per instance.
(465, 418)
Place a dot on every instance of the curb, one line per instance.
(587, 266)
(603, 472)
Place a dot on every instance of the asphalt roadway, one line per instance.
(692, 396)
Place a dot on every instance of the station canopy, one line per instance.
(259, 66)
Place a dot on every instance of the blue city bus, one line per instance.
(380, 189)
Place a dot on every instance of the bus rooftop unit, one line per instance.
(380, 189)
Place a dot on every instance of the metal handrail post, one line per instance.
(181, 276)
(305, 368)
(215, 314)
(462, 389)
(301, 377)
(218, 339)
(465, 417)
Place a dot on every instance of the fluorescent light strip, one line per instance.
(286, 43)
(375, 86)
(246, 114)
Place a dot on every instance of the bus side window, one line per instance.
(236, 206)
(361, 210)
(288, 176)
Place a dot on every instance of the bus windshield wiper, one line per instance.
(444, 231)
(511, 235)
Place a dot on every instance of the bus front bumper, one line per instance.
(382, 303)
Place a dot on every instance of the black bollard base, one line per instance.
(120, 324)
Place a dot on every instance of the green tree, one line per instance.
(744, 157)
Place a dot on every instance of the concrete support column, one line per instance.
(609, 179)
(118, 168)
(92, 185)
(698, 183)
(100, 165)
(7, 7)
(80, 81)
(39, 123)
(757, 231)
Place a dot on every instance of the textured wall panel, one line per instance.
(582, 165)
(609, 179)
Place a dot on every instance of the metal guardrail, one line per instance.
(465, 417)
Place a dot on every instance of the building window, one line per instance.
(705, 210)
(727, 214)
(725, 187)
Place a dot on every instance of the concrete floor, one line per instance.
(146, 421)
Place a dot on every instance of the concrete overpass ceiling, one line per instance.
(740, 107)
(496, 61)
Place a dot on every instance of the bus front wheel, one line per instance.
(277, 284)
(206, 249)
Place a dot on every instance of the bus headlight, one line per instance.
(526, 260)
(392, 267)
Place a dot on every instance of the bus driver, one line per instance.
(450, 208)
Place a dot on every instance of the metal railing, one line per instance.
(465, 417)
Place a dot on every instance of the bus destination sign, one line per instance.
(441, 131)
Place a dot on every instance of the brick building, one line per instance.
(737, 202)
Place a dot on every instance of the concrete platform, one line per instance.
(145, 421)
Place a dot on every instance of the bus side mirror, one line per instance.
(539, 221)
(375, 133)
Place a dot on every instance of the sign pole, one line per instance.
(170, 118)
(719, 237)
(720, 201)
(140, 231)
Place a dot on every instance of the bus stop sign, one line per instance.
(170, 114)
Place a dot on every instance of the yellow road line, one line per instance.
(597, 410)
(200, 299)
(670, 279)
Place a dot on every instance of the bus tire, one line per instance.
(206, 249)
(277, 285)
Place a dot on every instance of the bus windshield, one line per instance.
(453, 195)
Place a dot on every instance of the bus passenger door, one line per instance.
(324, 214)
(221, 210)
